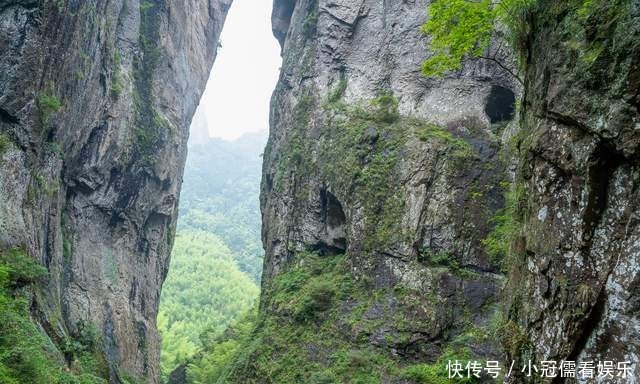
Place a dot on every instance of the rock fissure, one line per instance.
(8, 118)
(587, 329)
(599, 182)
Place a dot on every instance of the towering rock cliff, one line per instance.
(576, 257)
(379, 188)
(396, 209)
(96, 98)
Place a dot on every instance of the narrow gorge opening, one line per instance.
(423, 213)
(216, 263)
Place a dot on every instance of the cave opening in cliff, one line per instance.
(500, 105)
(216, 265)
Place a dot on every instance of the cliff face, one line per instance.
(575, 295)
(390, 222)
(379, 188)
(96, 98)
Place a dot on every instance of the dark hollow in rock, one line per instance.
(333, 239)
(501, 104)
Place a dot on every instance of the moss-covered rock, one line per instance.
(574, 260)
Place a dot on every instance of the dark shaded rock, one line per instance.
(578, 261)
(178, 375)
(96, 98)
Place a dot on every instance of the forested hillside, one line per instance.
(217, 258)
(220, 194)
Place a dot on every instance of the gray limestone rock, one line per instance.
(407, 192)
(96, 98)
(575, 297)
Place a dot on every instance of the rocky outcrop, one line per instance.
(383, 184)
(96, 98)
(577, 256)
(397, 183)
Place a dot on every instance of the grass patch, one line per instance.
(310, 24)
(506, 224)
(436, 373)
(458, 147)
(385, 108)
(306, 291)
(5, 143)
(20, 269)
(48, 105)
(443, 260)
(39, 186)
(337, 92)
(116, 80)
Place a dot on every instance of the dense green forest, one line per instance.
(217, 258)
(220, 195)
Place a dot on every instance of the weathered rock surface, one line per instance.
(375, 49)
(576, 293)
(338, 166)
(96, 98)
(401, 174)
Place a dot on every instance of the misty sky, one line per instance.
(245, 73)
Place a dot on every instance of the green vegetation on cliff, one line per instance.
(451, 42)
(47, 106)
(507, 223)
(461, 29)
(27, 355)
(5, 143)
(319, 325)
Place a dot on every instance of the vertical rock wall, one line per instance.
(394, 177)
(401, 178)
(575, 291)
(96, 98)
